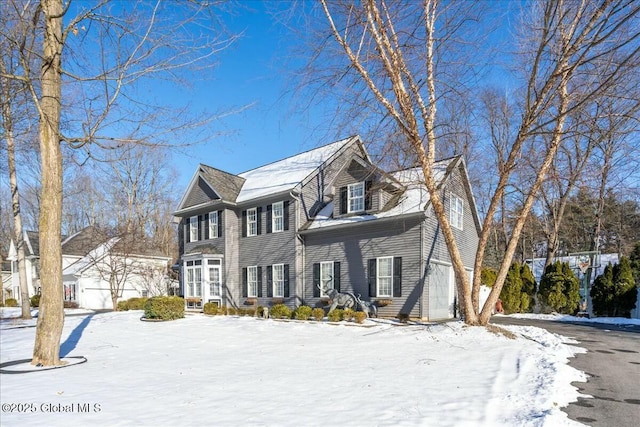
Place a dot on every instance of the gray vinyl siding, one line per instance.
(231, 278)
(354, 174)
(217, 244)
(354, 246)
(319, 190)
(201, 193)
(267, 249)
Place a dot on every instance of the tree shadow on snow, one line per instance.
(74, 337)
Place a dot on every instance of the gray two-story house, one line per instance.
(325, 218)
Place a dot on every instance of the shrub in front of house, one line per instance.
(35, 301)
(260, 311)
(231, 311)
(210, 308)
(348, 314)
(318, 314)
(164, 308)
(136, 303)
(122, 306)
(302, 313)
(280, 311)
(70, 304)
(360, 316)
(11, 302)
(336, 315)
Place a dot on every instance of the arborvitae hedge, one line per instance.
(614, 292)
(560, 288)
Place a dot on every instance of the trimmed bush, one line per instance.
(559, 288)
(403, 317)
(210, 308)
(302, 313)
(164, 308)
(336, 315)
(280, 311)
(35, 301)
(231, 311)
(11, 302)
(136, 303)
(348, 315)
(318, 314)
(360, 316)
(122, 306)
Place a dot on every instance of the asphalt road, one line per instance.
(612, 362)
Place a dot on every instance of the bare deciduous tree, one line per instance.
(116, 48)
(393, 49)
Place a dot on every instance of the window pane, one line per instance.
(278, 280)
(213, 225)
(326, 276)
(277, 211)
(252, 226)
(252, 281)
(385, 276)
(356, 197)
(193, 228)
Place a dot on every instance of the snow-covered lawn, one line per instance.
(240, 371)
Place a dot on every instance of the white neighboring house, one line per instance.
(92, 264)
(11, 288)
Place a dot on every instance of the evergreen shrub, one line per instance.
(318, 314)
(336, 315)
(302, 312)
(280, 311)
(559, 288)
(360, 316)
(348, 315)
(136, 303)
(164, 308)
(614, 292)
(35, 301)
(122, 306)
(11, 302)
(210, 308)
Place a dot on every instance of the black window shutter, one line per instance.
(286, 280)
(336, 276)
(285, 215)
(259, 281)
(343, 200)
(219, 223)
(187, 229)
(206, 226)
(245, 284)
(244, 223)
(367, 195)
(269, 281)
(200, 227)
(316, 279)
(397, 276)
(269, 218)
(259, 220)
(372, 277)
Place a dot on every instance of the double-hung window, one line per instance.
(278, 280)
(252, 222)
(277, 217)
(193, 278)
(385, 277)
(213, 225)
(252, 281)
(193, 229)
(355, 197)
(326, 277)
(456, 212)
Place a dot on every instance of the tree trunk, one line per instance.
(15, 198)
(46, 350)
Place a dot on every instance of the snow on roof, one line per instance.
(413, 200)
(285, 174)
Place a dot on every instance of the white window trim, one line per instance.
(252, 231)
(379, 276)
(193, 229)
(276, 226)
(359, 199)
(456, 211)
(213, 225)
(274, 282)
(214, 263)
(326, 284)
(252, 281)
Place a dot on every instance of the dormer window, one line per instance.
(355, 197)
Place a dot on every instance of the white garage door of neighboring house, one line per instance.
(441, 291)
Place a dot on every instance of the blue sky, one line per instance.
(251, 72)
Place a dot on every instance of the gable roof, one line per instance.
(82, 242)
(271, 179)
(413, 201)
